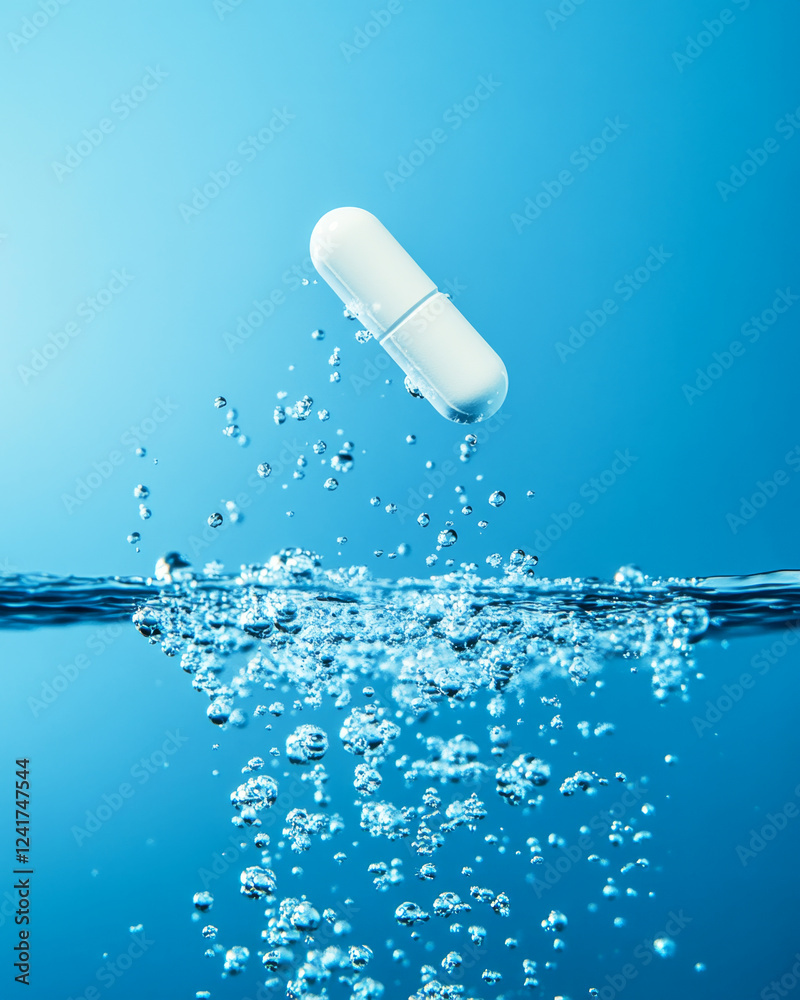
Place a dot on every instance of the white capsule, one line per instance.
(417, 325)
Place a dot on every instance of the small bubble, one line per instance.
(324, 415)
(664, 946)
(497, 499)
(141, 492)
(411, 438)
(319, 448)
(264, 470)
(134, 537)
(318, 334)
(342, 461)
(530, 494)
(447, 538)
(203, 901)
(411, 388)
(232, 415)
(342, 539)
(331, 484)
(144, 512)
(424, 520)
(231, 430)
(466, 509)
(215, 520)
(141, 452)
(483, 524)
(362, 336)
(375, 501)
(391, 508)
(279, 415)
(220, 401)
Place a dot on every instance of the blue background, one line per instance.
(160, 348)
(355, 116)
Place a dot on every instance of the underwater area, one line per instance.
(312, 691)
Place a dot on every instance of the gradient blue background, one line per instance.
(163, 338)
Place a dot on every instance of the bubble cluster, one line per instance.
(448, 700)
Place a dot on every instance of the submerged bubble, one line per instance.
(447, 538)
(257, 882)
(203, 901)
(141, 492)
(424, 520)
(220, 401)
(236, 960)
(497, 499)
(215, 519)
(407, 914)
(256, 793)
(331, 484)
(264, 470)
(134, 537)
(144, 512)
(306, 744)
(342, 461)
(664, 946)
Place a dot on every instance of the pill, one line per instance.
(417, 325)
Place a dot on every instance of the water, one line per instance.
(457, 786)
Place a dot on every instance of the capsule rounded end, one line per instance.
(338, 228)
